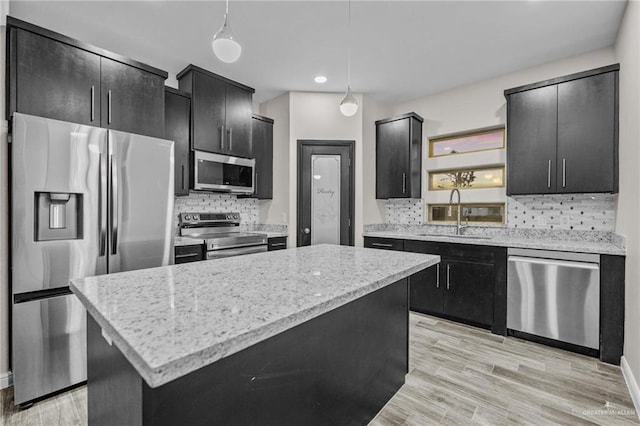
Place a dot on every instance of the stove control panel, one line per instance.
(191, 219)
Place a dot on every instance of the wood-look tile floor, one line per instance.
(459, 375)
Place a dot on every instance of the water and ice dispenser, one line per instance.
(58, 216)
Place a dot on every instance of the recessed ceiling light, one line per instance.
(320, 79)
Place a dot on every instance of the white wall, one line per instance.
(317, 116)
(276, 210)
(4, 222)
(627, 51)
(482, 105)
(373, 210)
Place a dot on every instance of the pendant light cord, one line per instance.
(227, 8)
(348, 49)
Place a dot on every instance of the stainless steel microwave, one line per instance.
(215, 172)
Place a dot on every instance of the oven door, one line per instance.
(215, 172)
(219, 254)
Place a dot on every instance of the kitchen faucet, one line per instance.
(458, 226)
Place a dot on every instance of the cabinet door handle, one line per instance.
(404, 183)
(278, 244)
(437, 276)
(93, 107)
(222, 137)
(564, 173)
(255, 189)
(230, 139)
(109, 107)
(183, 176)
(448, 275)
(549, 175)
(381, 245)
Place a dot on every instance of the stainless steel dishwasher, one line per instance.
(554, 295)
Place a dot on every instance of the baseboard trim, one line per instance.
(6, 380)
(632, 384)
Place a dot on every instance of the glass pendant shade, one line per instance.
(348, 105)
(225, 43)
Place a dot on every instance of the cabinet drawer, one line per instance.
(466, 252)
(277, 243)
(384, 243)
(193, 253)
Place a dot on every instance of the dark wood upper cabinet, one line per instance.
(588, 134)
(54, 76)
(221, 112)
(262, 151)
(177, 127)
(132, 99)
(239, 105)
(399, 157)
(562, 134)
(53, 79)
(531, 154)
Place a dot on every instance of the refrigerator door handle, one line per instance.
(114, 207)
(102, 206)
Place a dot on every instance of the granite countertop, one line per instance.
(172, 320)
(533, 242)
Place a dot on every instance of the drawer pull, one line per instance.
(278, 244)
(381, 245)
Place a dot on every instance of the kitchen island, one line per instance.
(314, 335)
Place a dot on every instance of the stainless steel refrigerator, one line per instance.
(85, 201)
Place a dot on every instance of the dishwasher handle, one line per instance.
(554, 262)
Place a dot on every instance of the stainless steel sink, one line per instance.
(467, 237)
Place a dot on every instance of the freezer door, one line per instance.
(141, 201)
(49, 346)
(58, 208)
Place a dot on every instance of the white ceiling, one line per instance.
(400, 50)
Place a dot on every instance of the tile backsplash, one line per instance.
(580, 212)
(204, 202)
(405, 211)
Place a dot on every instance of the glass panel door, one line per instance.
(325, 199)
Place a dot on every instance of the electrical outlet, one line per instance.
(284, 217)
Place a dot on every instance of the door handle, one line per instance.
(437, 276)
(222, 137)
(109, 107)
(255, 189)
(549, 175)
(102, 205)
(114, 207)
(564, 173)
(404, 183)
(448, 276)
(93, 98)
(230, 139)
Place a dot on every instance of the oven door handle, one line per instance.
(219, 254)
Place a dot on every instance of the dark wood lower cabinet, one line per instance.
(276, 243)
(425, 294)
(337, 369)
(463, 286)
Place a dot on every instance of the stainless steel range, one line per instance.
(221, 234)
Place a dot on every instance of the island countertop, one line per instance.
(170, 321)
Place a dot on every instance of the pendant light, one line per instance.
(225, 43)
(349, 105)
